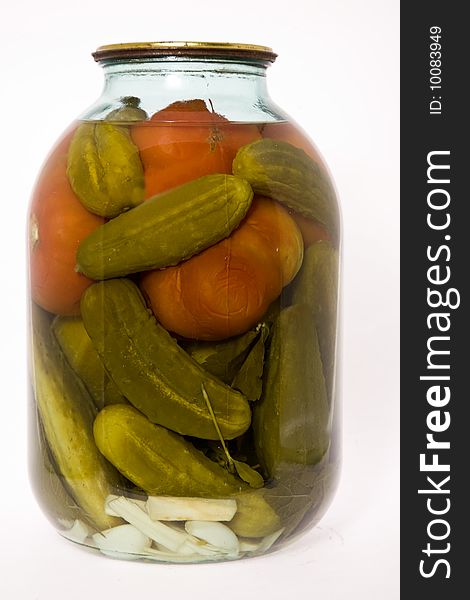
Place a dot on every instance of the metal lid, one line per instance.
(183, 49)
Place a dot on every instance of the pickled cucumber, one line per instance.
(254, 516)
(285, 173)
(48, 485)
(157, 460)
(291, 420)
(80, 353)
(130, 111)
(317, 285)
(155, 374)
(166, 229)
(104, 169)
(67, 413)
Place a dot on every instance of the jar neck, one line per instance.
(224, 86)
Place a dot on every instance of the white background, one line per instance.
(337, 74)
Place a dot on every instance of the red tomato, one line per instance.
(185, 141)
(227, 288)
(58, 222)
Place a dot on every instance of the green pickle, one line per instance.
(157, 460)
(317, 286)
(285, 173)
(67, 413)
(188, 219)
(255, 517)
(80, 353)
(53, 496)
(155, 374)
(162, 462)
(291, 420)
(104, 169)
(129, 112)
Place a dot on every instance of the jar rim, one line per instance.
(224, 50)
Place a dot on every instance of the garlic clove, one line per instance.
(169, 508)
(158, 532)
(107, 508)
(122, 541)
(78, 532)
(216, 534)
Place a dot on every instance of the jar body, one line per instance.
(184, 296)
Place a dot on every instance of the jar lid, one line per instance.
(185, 49)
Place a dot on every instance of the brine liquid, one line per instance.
(239, 309)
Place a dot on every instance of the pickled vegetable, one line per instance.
(174, 508)
(185, 142)
(157, 376)
(311, 230)
(162, 462)
(216, 534)
(291, 133)
(273, 230)
(54, 499)
(58, 222)
(225, 290)
(81, 355)
(254, 516)
(104, 169)
(128, 112)
(222, 292)
(285, 173)
(317, 286)
(291, 420)
(159, 461)
(67, 413)
(188, 219)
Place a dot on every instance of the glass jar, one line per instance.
(183, 243)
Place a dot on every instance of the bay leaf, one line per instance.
(248, 474)
(249, 379)
(223, 359)
(299, 490)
